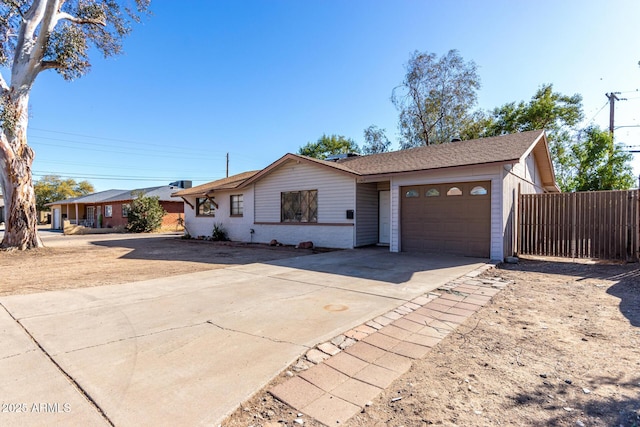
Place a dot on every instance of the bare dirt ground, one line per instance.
(96, 260)
(560, 346)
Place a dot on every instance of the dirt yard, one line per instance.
(96, 260)
(560, 346)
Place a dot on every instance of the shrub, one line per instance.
(219, 234)
(145, 215)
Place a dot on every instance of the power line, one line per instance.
(107, 139)
(118, 177)
(599, 111)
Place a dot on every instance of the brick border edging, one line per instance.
(337, 378)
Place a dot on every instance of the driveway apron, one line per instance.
(188, 349)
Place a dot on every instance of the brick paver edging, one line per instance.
(337, 378)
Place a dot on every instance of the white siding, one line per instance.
(326, 236)
(336, 195)
(238, 228)
(479, 173)
(366, 214)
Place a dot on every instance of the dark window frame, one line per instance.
(205, 207)
(299, 206)
(236, 205)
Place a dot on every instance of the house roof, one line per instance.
(494, 150)
(163, 193)
(499, 149)
(298, 158)
(228, 183)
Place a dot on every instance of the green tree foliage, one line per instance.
(375, 141)
(327, 146)
(436, 98)
(554, 112)
(145, 214)
(599, 164)
(52, 188)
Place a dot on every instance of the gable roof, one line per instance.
(298, 158)
(499, 149)
(229, 183)
(493, 150)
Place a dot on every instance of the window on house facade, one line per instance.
(454, 191)
(299, 206)
(108, 211)
(205, 207)
(412, 193)
(478, 190)
(432, 192)
(237, 205)
(125, 210)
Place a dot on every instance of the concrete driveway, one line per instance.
(187, 350)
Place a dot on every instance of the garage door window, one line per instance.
(432, 192)
(412, 193)
(454, 191)
(478, 190)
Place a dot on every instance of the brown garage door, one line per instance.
(447, 218)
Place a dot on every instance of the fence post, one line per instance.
(574, 210)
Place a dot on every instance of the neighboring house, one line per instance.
(108, 209)
(457, 198)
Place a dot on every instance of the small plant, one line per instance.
(219, 234)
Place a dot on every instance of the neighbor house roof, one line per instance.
(163, 193)
(228, 183)
(89, 198)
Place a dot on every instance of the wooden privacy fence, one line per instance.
(594, 224)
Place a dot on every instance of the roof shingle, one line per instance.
(505, 148)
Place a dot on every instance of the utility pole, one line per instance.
(227, 165)
(612, 102)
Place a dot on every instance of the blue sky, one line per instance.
(258, 79)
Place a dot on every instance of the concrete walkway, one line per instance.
(187, 350)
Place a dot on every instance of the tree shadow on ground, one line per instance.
(625, 278)
(200, 251)
(554, 399)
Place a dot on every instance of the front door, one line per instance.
(384, 217)
(56, 219)
(91, 212)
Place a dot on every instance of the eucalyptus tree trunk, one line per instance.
(16, 158)
(32, 41)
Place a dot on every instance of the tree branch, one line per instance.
(47, 65)
(80, 21)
